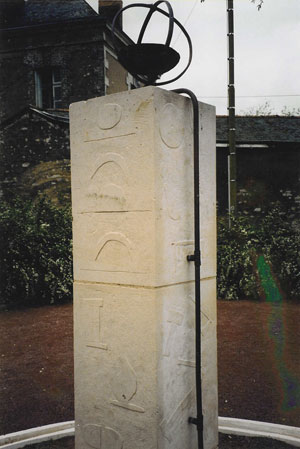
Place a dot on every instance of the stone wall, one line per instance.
(77, 49)
(27, 138)
(27, 141)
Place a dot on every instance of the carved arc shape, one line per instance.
(114, 158)
(107, 183)
(171, 134)
(114, 252)
(102, 437)
(109, 116)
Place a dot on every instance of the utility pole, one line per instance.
(232, 188)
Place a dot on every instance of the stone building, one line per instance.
(268, 162)
(56, 52)
(52, 53)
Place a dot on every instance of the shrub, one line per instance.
(281, 248)
(236, 278)
(36, 253)
(239, 246)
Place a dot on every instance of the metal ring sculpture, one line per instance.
(147, 62)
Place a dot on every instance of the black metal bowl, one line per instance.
(148, 59)
(147, 62)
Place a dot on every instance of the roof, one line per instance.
(249, 129)
(43, 12)
(258, 129)
(58, 116)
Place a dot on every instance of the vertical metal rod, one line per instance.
(196, 258)
(232, 199)
(228, 189)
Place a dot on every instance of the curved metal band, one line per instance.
(190, 51)
(145, 5)
(153, 9)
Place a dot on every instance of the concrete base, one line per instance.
(37, 435)
(232, 426)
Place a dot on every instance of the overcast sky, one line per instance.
(267, 50)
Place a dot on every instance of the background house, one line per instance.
(268, 162)
(55, 52)
(52, 53)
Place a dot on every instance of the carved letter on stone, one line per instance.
(94, 311)
(205, 325)
(114, 253)
(188, 351)
(175, 319)
(179, 418)
(101, 437)
(171, 126)
(124, 386)
(109, 116)
(190, 363)
(172, 208)
(107, 183)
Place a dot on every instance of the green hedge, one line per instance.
(36, 253)
(239, 247)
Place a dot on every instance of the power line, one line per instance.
(186, 20)
(254, 96)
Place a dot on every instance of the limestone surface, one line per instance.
(134, 301)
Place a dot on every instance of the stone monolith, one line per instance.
(132, 199)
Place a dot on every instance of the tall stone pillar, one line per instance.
(132, 195)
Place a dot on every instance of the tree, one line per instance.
(290, 112)
(262, 109)
(266, 109)
(259, 3)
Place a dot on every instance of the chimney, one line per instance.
(109, 8)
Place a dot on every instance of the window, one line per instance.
(131, 82)
(48, 88)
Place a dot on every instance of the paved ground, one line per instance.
(239, 442)
(63, 443)
(36, 367)
(259, 361)
(259, 367)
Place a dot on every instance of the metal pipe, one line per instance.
(196, 258)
